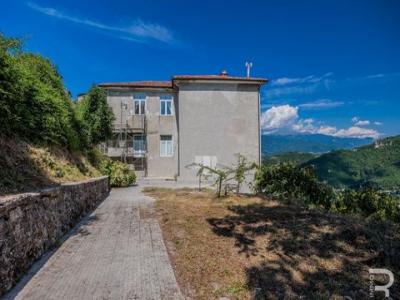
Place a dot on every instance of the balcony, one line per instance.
(128, 152)
(133, 123)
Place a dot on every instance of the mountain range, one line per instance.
(308, 143)
(377, 164)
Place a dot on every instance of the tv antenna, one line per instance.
(248, 67)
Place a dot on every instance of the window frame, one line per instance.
(142, 139)
(166, 98)
(141, 100)
(165, 154)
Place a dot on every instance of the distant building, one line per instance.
(162, 127)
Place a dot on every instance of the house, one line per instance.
(162, 127)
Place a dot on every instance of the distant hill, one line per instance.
(296, 157)
(308, 143)
(378, 163)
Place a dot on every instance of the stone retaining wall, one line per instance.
(32, 223)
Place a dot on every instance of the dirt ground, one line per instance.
(242, 247)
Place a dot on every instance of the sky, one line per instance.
(333, 66)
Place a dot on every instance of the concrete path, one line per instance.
(115, 253)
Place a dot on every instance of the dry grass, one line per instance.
(252, 248)
(25, 167)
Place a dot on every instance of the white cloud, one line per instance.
(299, 80)
(362, 123)
(380, 75)
(321, 104)
(278, 117)
(137, 31)
(327, 130)
(357, 132)
(298, 85)
(304, 126)
(358, 122)
(285, 119)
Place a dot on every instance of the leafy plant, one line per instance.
(204, 171)
(240, 170)
(369, 203)
(120, 174)
(95, 116)
(290, 183)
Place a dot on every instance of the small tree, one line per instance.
(96, 117)
(221, 174)
(240, 170)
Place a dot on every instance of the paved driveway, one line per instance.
(115, 253)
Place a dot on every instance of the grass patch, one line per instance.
(25, 167)
(253, 248)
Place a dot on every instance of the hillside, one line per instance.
(378, 163)
(308, 143)
(26, 167)
(296, 157)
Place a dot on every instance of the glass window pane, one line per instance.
(169, 108)
(142, 107)
(162, 107)
(137, 108)
(166, 145)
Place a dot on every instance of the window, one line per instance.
(139, 143)
(166, 105)
(139, 103)
(166, 145)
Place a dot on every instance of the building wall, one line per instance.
(156, 125)
(216, 121)
(160, 125)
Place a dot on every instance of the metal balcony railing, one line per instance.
(133, 123)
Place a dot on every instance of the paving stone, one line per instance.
(115, 253)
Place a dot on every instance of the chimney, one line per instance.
(223, 73)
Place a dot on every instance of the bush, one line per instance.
(292, 184)
(36, 106)
(120, 174)
(34, 102)
(95, 116)
(370, 203)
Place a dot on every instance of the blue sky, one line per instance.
(334, 66)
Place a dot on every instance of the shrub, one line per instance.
(240, 170)
(34, 102)
(292, 184)
(370, 203)
(95, 117)
(120, 174)
(36, 106)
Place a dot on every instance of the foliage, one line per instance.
(223, 176)
(377, 164)
(95, 116)
(34, 103)
(295, 157)
(240, 170)
(369, 203)
(120, 174)
(201, 173)
(293, 184)
(220, 175)
(26, 167)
